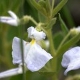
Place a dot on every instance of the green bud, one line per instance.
(75, 31)
(25, 19)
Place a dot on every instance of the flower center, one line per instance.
(33, 41)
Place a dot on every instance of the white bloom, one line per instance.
(34, 56)
(71, 59)
(33, 33)
(13, 20)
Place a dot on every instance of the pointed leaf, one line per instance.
(41, 17)
(58, 7)
(48, 7)
(38, 6)
(51, 23)
(68, 44)
(63, 25)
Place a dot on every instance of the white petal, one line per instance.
(70, 55)
(13, 20)
(36, 58)
(9, 20)
(16, 53)
(2, 18)
(33, 33)
(13, 15)
(73, 65)
(10, 72)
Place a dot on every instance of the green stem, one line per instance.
(53, 53)
(54, 77)
(68, 16)
(33, 21)
(66, 37)
(21, 31)
(50, 38)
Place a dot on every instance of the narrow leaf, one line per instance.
(38, 6)
(68, 44)
(48, 7)
(51, 23)
(63, 25)
(58, 7)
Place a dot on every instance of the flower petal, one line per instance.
(70, 55)
(36, 58)
(73, 65)
(10, 72)
(13, 15)
(2, 18)
(8, 20)
(13, 20)
(33, 33)
(16, 53)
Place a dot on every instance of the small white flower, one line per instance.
(34, 56)
(34, 34)
(71, 59)
(13, 20)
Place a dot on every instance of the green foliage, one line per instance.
(63, 25)
(42, 14)
(68, 44)
(58, 7)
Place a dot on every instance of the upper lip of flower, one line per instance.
(37, 35)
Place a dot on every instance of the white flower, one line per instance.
(34, 56)
(34, 34)
(13, 20)
(71, 59)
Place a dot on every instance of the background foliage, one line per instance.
(70, 13)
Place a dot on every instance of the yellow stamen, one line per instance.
(33, 41)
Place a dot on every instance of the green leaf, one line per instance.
(38, 6)
(68, 44)
(58, 7)
(58, 37)
(16, 77)
(48, 7)
(41, 17)
(63, 25)
(51, 23)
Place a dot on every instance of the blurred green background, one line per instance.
(70, 13)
